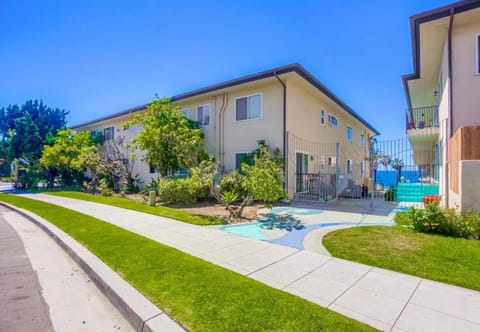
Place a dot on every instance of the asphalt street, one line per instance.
(22, 307)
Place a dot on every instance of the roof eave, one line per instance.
(294, 67)
(428, 16)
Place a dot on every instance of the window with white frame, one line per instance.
(94, 133)
(249, 107)
(322, 117)
(478, 55)
(349, 166)
(362, 140)
(333, 120)
(185, 112)
(239, 158)
(108, 134)
(349, 134)
(203, 114)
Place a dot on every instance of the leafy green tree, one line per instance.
(264, 180)
(64, 157)
(261, 181)
(25, 141)
(169, 139)
(24, 130)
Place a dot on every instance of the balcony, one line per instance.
(422, 118)
(423, 130)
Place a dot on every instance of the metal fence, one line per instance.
(381, 171)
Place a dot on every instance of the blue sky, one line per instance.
(94, 58)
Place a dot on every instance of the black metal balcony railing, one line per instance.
(422, 117)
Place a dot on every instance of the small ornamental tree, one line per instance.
(169, 139)
(262, 181)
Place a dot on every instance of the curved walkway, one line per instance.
(384, 299)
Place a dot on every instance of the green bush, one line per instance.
(103, 188)
(390, 195)
(434, 219)
(132, 185)
(232, 182)
(182, 190)
(154, 185)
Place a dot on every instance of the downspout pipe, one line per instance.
(450, 75)
(450, 106)
(284, 114)
(221, 143)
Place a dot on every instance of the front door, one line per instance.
(301, 171)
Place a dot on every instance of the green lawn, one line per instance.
(451, 260)
(126, 203)
(199, 295)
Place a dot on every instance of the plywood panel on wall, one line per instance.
(463, 145)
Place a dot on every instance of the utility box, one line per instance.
(152, 195)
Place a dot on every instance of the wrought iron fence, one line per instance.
(381, 171)
(422, 117)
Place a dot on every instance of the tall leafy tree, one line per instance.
(25, 129)
(169, 139)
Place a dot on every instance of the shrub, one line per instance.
(232, 182)
(154, 185)
(132, 185)
(434, 219)
(182, 190)
(104, 188)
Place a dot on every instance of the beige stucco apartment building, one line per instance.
(287, 108)
(443, 95)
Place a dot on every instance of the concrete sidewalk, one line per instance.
(384, 299)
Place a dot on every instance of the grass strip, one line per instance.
(451, 260)
(126, 203)
(199, 295)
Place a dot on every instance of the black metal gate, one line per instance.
(377, 170)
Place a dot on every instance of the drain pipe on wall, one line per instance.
(450, 107)
(285, 161)
(221, 135)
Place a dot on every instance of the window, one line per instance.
(362, 140)
(94, 133)
(108, 134)
(322, 162)
(203, 114)
(332, 161)
(153, 169)
(349, 166)
(362, 167)
(333, 120)
(124, 161)
(249, 107)
(239, 157)
(185, 112)
(478, 55)
(322, 117)
(180, 172)
(349, 134)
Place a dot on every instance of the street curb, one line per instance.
(142, 314)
